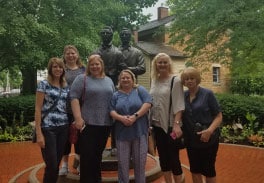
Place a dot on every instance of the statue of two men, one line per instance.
(125, 57)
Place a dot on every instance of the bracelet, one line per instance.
(177, 122)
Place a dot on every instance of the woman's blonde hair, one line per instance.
(61, 64)
(68, 47)
(92, 58)
(154, 72)
(132, 76)
(191, 72)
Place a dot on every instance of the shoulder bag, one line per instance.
(151, 137)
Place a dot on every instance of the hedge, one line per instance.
(234, 107)
(19, 109)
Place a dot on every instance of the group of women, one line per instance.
(96, 104)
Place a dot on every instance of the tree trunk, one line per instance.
(29, 84)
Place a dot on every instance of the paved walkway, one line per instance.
(235, 164)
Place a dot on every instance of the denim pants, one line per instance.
(55, 140)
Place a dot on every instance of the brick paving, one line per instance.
(235, 164)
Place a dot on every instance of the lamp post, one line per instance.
(7, 82)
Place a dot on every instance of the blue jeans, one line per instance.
(55, 140)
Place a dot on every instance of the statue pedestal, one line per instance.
(110, 174)
(109, 162)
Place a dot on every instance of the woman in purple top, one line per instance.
(73, 68)
(92, 118)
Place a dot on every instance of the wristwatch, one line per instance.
(136, 114)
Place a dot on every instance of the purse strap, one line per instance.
(83, 92)
(171, 86)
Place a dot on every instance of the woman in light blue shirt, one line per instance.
(129, 107)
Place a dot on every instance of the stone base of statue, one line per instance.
(109, 162)
(110, 167)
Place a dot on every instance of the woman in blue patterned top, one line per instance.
(51, 118)
(129, 107)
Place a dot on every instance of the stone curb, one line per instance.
(14, 179)
(32, 176)
(151, 174)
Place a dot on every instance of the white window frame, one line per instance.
(216, 73)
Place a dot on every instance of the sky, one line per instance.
(154, 9)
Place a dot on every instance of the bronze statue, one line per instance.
(134, 58)
(111, 55)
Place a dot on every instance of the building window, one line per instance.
(216, 74)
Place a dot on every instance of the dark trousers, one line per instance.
(93, 140)
(168, 152)
(55, 140)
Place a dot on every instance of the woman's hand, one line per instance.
(41, 140)
(176, 131)
(128, 120)
(79, 124)
(205, 135)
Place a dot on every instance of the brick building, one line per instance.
(152, 39)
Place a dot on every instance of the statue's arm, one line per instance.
(140, 65)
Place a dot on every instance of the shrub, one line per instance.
(16, 133)
(247, 85)
(236, 107)
(18, 110)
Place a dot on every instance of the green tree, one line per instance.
(206, 21)
(32, 31)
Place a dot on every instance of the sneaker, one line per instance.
(64, 170)
(76, 163)
(113, 152)
(78, 169)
